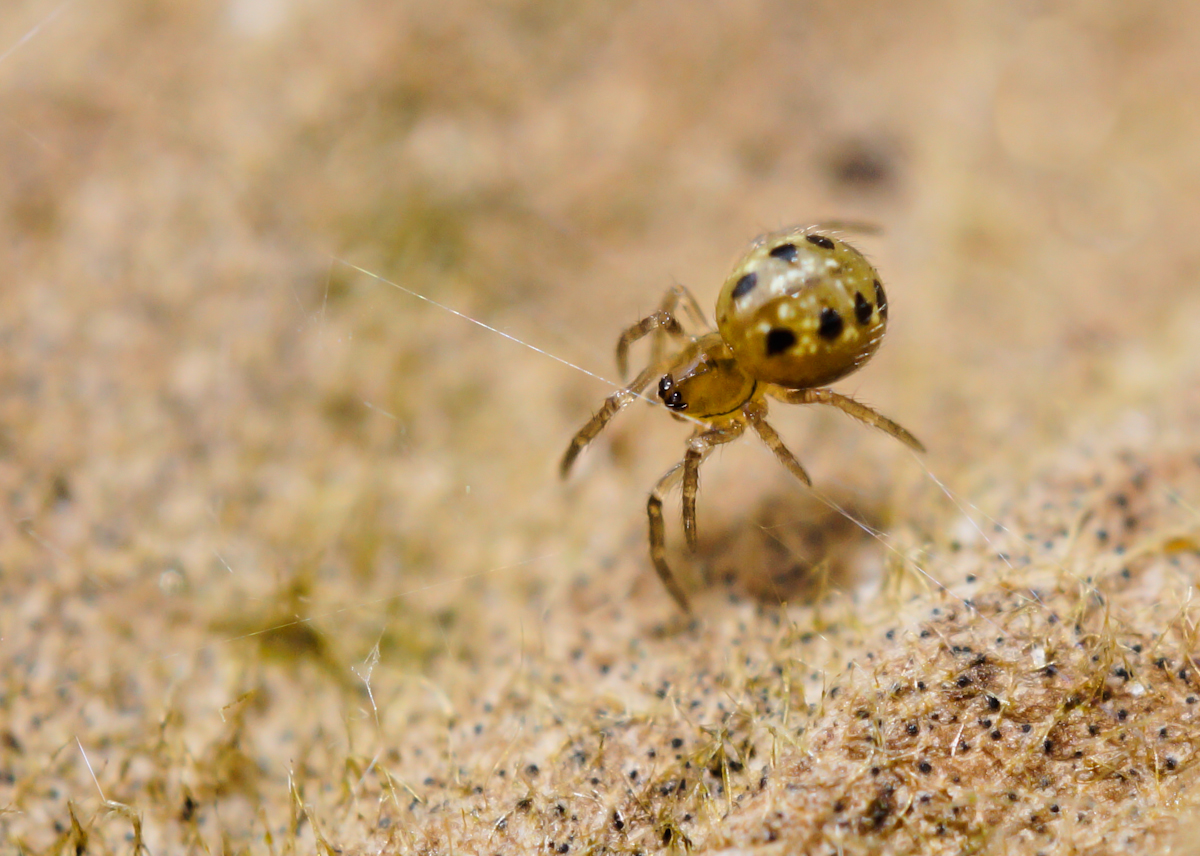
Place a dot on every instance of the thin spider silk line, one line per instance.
(33, 31)
(614, 385)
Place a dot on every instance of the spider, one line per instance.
(800, 310)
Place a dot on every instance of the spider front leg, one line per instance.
(698, 448)
(850, 407)
(662, 321)
(680, 295)
(658, 538)
(611, 407)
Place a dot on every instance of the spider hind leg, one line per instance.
(850, 407)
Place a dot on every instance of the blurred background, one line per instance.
(224, 408)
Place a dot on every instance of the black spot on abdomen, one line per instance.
(831, 324)
(779, 339)
(880, 299)
(745, 285)
(820, 241)
(787, 252)
(862, 309)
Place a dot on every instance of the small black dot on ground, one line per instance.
(863, 166)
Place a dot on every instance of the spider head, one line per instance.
(704, 381)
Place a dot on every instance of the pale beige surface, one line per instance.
(283, 555)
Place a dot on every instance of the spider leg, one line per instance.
(698, 448)
(660, 320)
(663, 322)
(611, 407)
(850, 407)
(658, 540)
(677, 296)
(774, 442)
(681, 295)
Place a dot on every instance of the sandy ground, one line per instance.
(301, 303)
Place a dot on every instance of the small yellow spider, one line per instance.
(800, 310)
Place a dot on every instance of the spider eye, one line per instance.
(670, 396)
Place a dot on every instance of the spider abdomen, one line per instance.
(802, 309)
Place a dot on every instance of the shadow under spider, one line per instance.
(791, 548)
